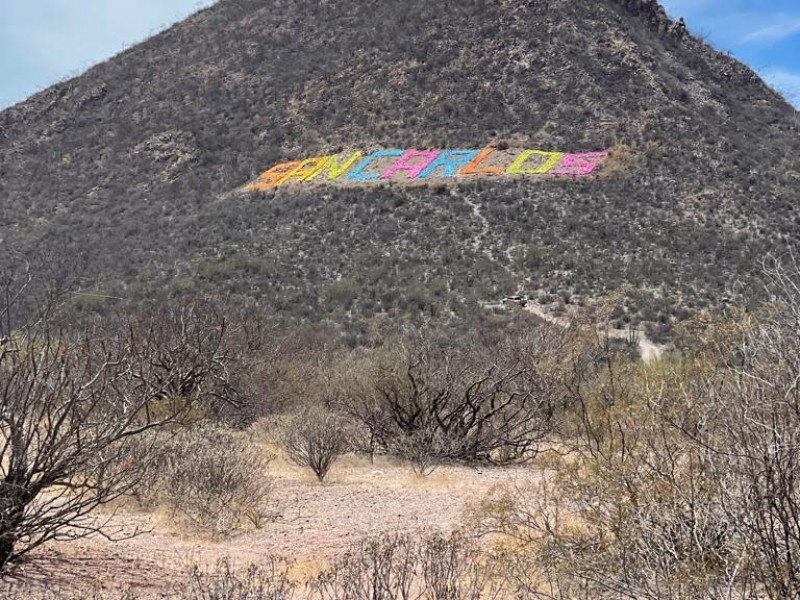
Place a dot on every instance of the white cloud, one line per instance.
(775, 33)
(785, 82)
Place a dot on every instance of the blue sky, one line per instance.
(44, 41)
(765, 34)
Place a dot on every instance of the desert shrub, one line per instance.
(280, 361)
(19, 588)
(430, 399)
(74, 407)
(266, 581)
(398, 567)
(453, 568)
(315, 438)
(683, 474)
(214, 479)
(380, 569)
(637, 510)
(423, 448)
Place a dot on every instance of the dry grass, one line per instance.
(303, 570)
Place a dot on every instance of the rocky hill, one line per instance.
(139, 164)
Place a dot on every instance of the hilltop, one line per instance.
(139, 164)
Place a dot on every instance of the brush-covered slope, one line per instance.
(138, 162)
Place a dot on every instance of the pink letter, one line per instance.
(404, 164)
(579, 165)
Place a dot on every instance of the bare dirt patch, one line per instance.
(317, 522)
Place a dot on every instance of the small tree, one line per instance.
(315, 438)
(62, 426)
(73, 408)
(437, 400)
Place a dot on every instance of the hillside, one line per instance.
(140, 163)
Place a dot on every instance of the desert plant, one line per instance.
(268, 580)
(182, 351)
(423, 448)
(315, 438)
(381, 568)
(214, 478)
(70, 409)
(402, 567)
(75, 407)
(446, 400)
(683, 474)
(452, 569)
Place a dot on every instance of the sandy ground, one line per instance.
(318, 521)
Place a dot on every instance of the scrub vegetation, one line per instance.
(193, 377)
(671, 479)
(136, 165)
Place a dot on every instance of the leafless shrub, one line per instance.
(24, 592)
(434, 400)
(748, 425)
(74, 408)
(423, 448)
(180, 353)
(70, 410)
(315, 438)
(35, 286)
(397, 567)
(281, 364)
(266, 581)
(452, 569)
(214, 478)
(380, 569)
(683, 476)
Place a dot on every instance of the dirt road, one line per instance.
(648, 350)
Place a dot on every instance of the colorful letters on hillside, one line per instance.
(419, 165)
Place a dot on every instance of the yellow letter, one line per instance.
(335, 170)
(307, 168)
(552, 161)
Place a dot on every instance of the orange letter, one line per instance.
(336, 170)
(552, 161)
(272, 177)
(472, 168)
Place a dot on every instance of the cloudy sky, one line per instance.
(43, 41)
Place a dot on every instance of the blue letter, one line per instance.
(357, 173)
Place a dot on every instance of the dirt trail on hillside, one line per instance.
(477, 241)
(648, 350)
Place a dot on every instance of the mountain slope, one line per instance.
(139, 163)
